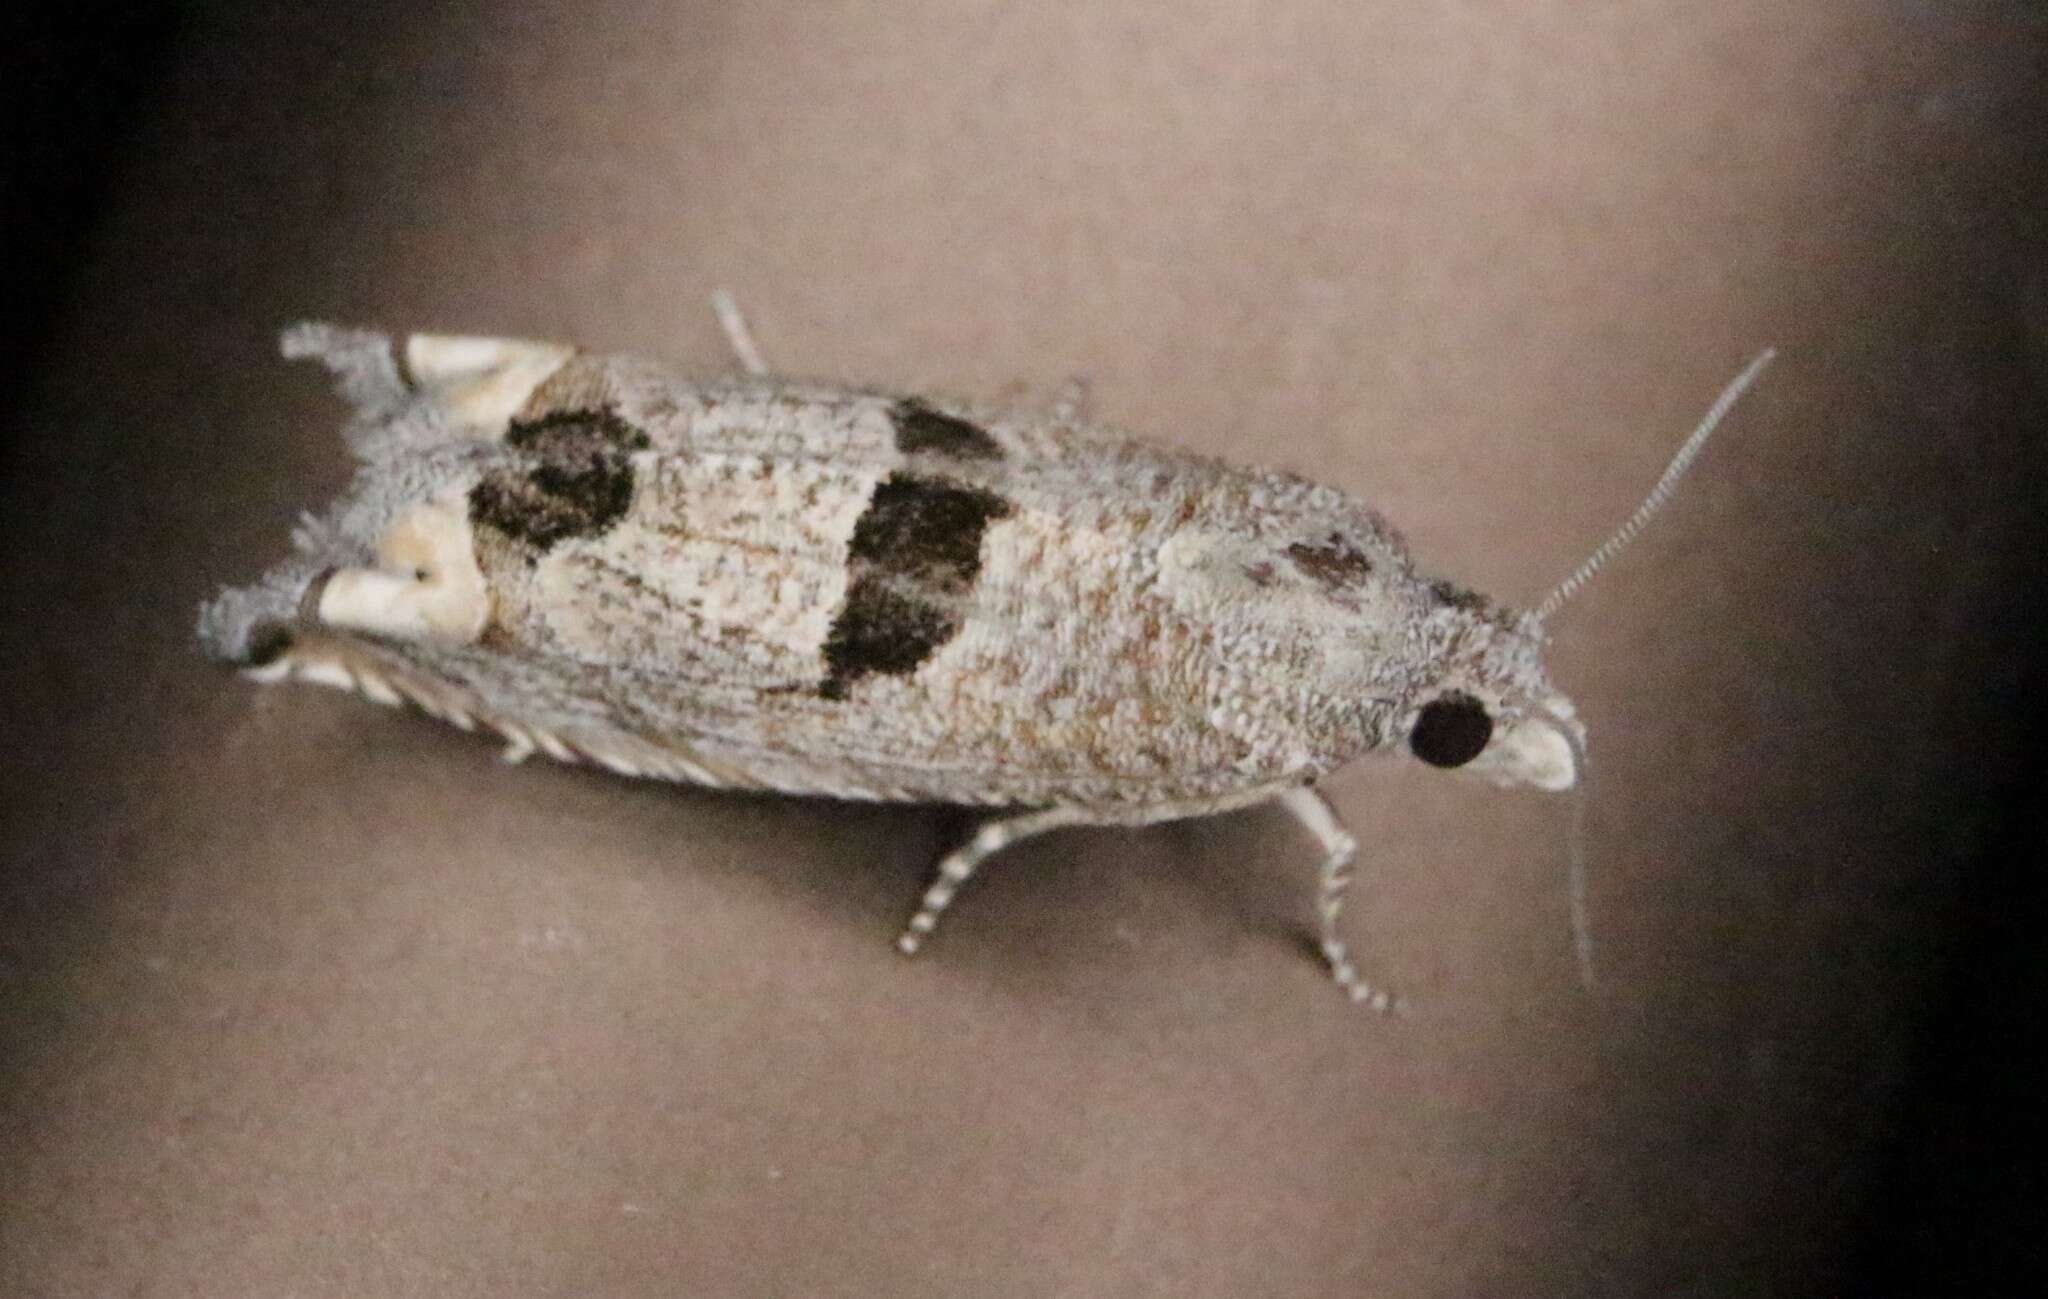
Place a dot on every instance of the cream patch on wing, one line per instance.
(427, 585)
(481, 382)
(719, 566)
(1053, 646)
(1203, 572)
(1080, 632)
(1089, 683)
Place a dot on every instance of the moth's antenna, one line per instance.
(1575, 844)
(1661, 493)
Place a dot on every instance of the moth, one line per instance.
(757, 583)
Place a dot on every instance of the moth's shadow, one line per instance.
(1254, 868)
(1119, 907)
(1084, 910)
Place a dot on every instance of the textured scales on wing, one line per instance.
(845, 592)
(765, 584)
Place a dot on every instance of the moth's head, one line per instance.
(1489, 709)
(1492, 711)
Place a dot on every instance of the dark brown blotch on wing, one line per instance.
(579, 433)
(882, 631)
(922, 430)
(552, 504)
(926, 530)
(1458, 597)
(581, 487)
(913, 559)
(1336, 564)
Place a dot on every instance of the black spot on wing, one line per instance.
(1457, 597)
(881, 630)
(1336, 564)
(926, 530)
(913, 558)
(920, 429)
(552, 503)
(581, 485)
(575, 433)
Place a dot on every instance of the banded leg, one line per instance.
(737, 334)
(1339, 851)
(959, 865)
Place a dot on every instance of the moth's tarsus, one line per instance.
(959, 866)
(1340, 851)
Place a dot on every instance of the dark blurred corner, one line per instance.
(1955, 1208)
(73, 80)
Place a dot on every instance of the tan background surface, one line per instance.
(305, 997)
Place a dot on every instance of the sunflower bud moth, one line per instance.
(756, 583)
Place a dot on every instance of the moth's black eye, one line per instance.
(1451, 731)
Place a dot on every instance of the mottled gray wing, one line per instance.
(772, 585)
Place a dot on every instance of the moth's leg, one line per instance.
(737, 334)
(960, 864)
(1339, 850)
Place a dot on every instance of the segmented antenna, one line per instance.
(1661, 493)
(1575, 876)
